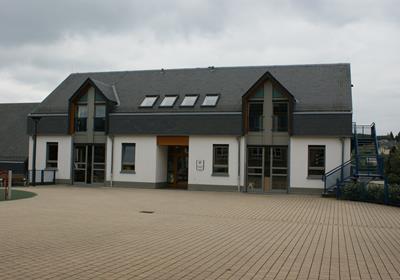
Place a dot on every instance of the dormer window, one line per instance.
(169, 101)
(149, 101)
(210, 100)
(189, 100)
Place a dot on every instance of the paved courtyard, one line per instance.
(100, 233)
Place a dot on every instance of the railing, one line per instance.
(43, 177)
(340, 173)
(364, 130)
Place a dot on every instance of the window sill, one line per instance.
(315, 177)
(220, 174)
(128, 172)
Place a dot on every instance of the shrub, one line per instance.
(394, 194)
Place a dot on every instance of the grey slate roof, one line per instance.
(319, 87)
(13, 137)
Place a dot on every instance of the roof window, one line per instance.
(210, 100)
(189, 100)
(168, 101)
(149, 101)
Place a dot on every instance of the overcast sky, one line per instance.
(43, 41)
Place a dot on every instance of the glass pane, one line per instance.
(210, 100)
(52, 152)
(259, 93)
(189, 100)
(100, 111)
(254, 183)
(128, 153)
(99, 154)
(148, 101)
(255, 116)
(280, 117)
(99, 124)
(99, 97)
(277, 94)
(279, 182)
(98, 176)
(168, 101)
(82, 111)
(316, 156)
(279, 157)
(79, 175)
(83, 98)
(255, 156)
(221, 155)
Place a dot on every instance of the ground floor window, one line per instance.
(128, 157)
(316, 161)
(220, 159)
(52, 155)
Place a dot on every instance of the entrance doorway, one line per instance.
(267, 168)
(89, 163)
(177, 175)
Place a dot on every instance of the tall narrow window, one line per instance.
(280, 116)
(81, 118)
(52, 155)
(100, 117)
(256, 116)
(128, 157)
(316, 161)
(220, 159)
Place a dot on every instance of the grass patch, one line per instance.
(17, 194)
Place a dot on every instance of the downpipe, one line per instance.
(239, 163)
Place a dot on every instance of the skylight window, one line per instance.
(189, 100)
(168, 101)
(210, 100)
(149, 101)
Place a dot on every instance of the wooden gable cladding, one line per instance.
(173, 140)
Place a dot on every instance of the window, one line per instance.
(149, 101)
(52, 155)
(210, 100)
(316, 161)
(128, 157)
(256, 116)
(168, 101)
(220, 159)
(81, 118)
(280, 116)
(99, 117)
(189, 100)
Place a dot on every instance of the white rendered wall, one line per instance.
(64, 154)
(161, 164)
(201, 148)
(145, 159)
(299, 158)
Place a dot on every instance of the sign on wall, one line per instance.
(199, 165)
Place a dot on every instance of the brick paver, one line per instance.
(99, 233)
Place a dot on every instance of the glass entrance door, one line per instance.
(89, 163)
(177, 166)
(267, 168)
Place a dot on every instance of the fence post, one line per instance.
(386, 192)
(9, 184)
(337, 188)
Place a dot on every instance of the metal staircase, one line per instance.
(365, 164)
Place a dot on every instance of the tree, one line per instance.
(391, 136)
(398, 137)
(392, 166)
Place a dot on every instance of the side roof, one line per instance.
(14, 140)
(316, 87)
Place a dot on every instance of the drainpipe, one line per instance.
(112, 161)
(341, 169)
(238, 182)
(35, 125)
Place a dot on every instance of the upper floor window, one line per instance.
(220, 159)
(149, 101)
(316, 161)
(280, 116)
(256, 116)
(210, 100)
(189, 100)
(99, 117)
(81, 115)
(168, 101)
(52, 155)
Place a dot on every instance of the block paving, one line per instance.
(70, 232)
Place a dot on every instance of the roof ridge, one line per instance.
(217, 67)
